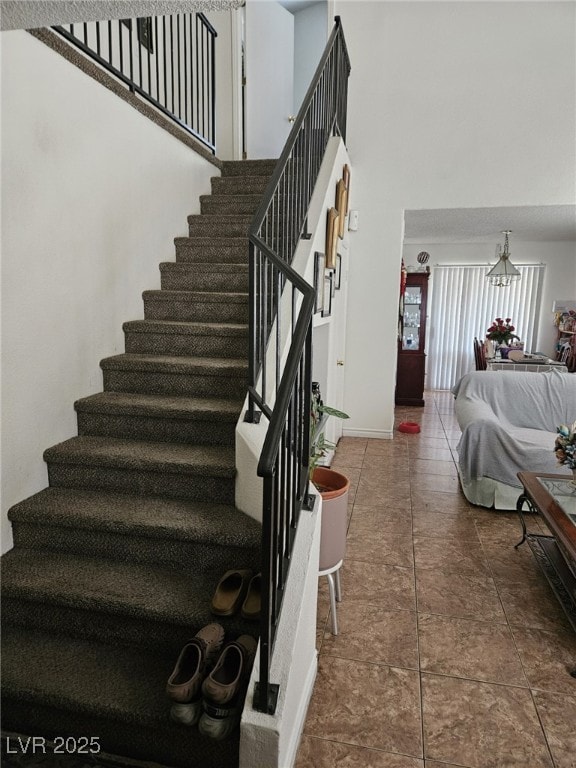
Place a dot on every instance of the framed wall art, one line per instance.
(332, 224)
(319, 262)
(327, 295)
(338, 273)
(341, 206)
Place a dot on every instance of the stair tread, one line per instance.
(227, 218)
(165, 406)
(170, 363)
(187, 327)
(248, 167)
(232, 297)
(148, 516)
(203, 266)
(152, 593)
(252, 197)
(67, 673)
(116, 452)
(213, 240)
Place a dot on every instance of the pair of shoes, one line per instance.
(195, 661)
(225, 688)
(238, 589)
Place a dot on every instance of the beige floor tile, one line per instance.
(481, 725)
(320, 753)
(558, 716)
(348, 459)
(446, 484)
(388, 586)
(398, 514)
(455, 594)
(369, 633)
(432, 467)
(508, 564)
(473, 649)
(432, 453)
(371, 495)
(432, 501)
(450, 555)
(375, 542)
(454, 525)
(501, 527)
(531, 604)
(548, 658)
(346, 706)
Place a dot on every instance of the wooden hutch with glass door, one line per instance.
(411, 340)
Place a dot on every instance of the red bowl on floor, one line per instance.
(410, 427)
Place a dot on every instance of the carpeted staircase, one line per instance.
(114, 565)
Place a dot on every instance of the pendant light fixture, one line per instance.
(503, 272)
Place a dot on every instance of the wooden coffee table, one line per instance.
(553, 497)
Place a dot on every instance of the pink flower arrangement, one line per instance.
(501, 331)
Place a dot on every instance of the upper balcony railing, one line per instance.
(168, 60)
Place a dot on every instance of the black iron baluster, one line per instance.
(98, 38)
(110, 42)
(179, 68)
(157, 59)
(121, 46)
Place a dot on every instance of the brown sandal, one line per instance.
(252, 603)
(230, 592)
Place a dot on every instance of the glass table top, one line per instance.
(564, 493)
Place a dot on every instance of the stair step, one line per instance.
(248, 167)
(71, 687)
(205, 421)
(96, 598)
(186, 338)
(196, 306)
(229, 204)
(239, 185)
(172, 375)
(224, 250)
(200, 473)
(145, 517)
(176, 276)
(228, 226)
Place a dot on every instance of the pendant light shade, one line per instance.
(503, 272)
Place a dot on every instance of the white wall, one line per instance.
(559, 275)
(225, 74)
(451, 105)
(310, 38)
(269, 77)
(93, 195)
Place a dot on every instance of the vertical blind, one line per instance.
(464, 305)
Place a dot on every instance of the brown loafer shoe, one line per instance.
(193, 663)
(230, 592)
(251, 605)
(231, 671)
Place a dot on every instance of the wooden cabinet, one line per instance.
(411, 340)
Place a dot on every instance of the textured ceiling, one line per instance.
(31, 14)
(546, 223)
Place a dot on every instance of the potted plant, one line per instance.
(502, 332)
(332, 486)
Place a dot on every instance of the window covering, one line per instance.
(463, 304)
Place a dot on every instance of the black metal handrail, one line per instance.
(281, 320)
(168, 60)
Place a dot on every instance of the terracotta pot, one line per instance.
(333, 488)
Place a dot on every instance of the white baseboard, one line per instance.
(377, 434)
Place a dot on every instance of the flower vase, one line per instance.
(504, 349)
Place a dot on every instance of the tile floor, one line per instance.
(453, 650)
